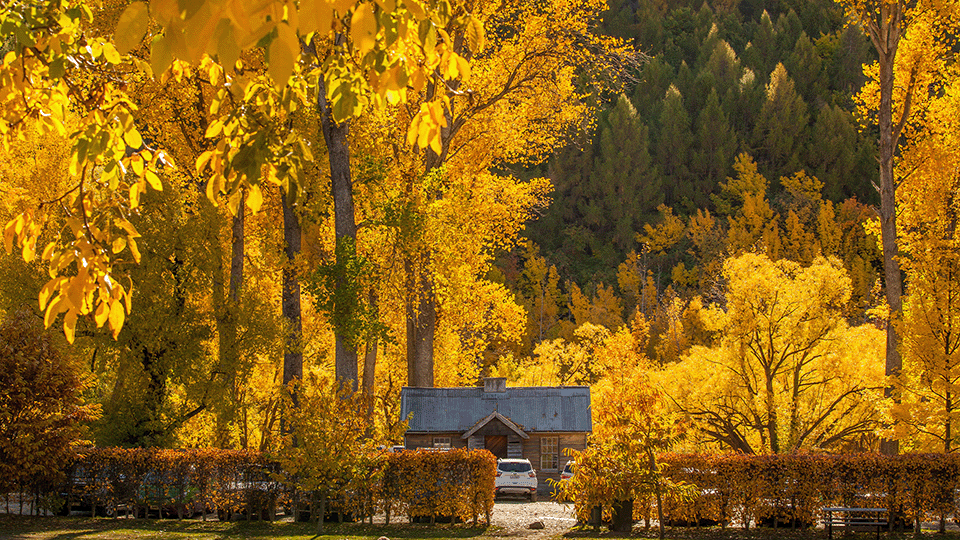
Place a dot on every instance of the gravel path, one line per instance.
(516, 516)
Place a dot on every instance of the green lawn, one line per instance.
(83, 528)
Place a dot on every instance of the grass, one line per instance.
(84, 528)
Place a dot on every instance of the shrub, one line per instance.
(42, 412)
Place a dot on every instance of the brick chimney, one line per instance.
(494, 385)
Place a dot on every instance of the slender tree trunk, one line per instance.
(884, 26)
(345, 228)
(290, 299)
(236, 252)
(230, 349)
(888, 229)
(948, 424)
(772, 416)
(421, 301)
(421, 321)
(370, 368)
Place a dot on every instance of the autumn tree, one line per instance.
(787, 373)
(900, 77)
(517, 104)
(620, 465)
(52, 36)
(329, 448)
(42, 410)
(928, 414)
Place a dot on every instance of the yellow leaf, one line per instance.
(118, 244)
(233, 202)
(116, 317)
(75, 293)
(131, 27)
(110, 53)
(137, 163)
(203, 160)
(135, 195)
(283, 54)
(133, 249)
(127, 226)
(48, 251)
(102, 314)
(475, 35)
(255, 198)
(128, 297)
(415, 9)
(45, 292)
(29, 250)
(363, 27)
(316, 16)
(8, 233)
(228, 51)
(165, 11)
(53, 310)
(450, 59)
(213, 130)
(161, 55)
(153, 180)
(133, 139)
(70, 325)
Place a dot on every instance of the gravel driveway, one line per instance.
(516, 516)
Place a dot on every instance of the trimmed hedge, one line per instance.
(790, 490)
(178, 483)
(457, 484)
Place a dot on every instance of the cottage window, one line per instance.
(548, 453)
(441, 442)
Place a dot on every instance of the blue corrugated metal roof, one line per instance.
(539, 408)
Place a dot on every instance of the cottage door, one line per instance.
(496, 444)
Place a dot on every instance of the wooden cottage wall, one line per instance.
(419, 440)
(531, 451)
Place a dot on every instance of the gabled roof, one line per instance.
(495, 415)
(532, 409)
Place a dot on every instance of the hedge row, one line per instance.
(458, 484)
(790, 490)
(176, 483)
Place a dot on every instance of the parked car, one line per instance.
(516, 476)
(565, 474)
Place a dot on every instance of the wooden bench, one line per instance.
(854, 517)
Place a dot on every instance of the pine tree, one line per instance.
(839, 155)
(673, 148)
(779, 133)
(713, 150)
(806, 67)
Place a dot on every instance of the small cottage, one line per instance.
(536, 423)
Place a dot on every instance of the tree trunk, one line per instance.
(421, 322)
(658, 490)
(370, 368)
(345, 229)
(226, 310)
(948, 425)
(290, 299)
(622, 519)
(772, 415)
(236, 252)
(884, 28)
(421, 299)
